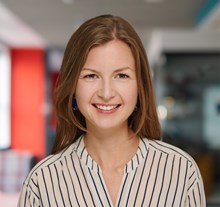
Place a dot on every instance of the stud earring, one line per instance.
(74, 104)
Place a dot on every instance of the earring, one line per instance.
(137, 105)
(74, 104)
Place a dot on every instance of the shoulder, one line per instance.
(54, 159)
(184, 169)
(180, 158)
(178, 155)
(167, 149)
(42, 175)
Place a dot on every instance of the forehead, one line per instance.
(114, 53)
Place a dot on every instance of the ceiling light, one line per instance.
(153, 1)
(68, 1)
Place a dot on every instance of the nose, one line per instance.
(106, 90)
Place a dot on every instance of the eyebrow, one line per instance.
(117, 70)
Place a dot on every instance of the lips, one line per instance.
(106, 107)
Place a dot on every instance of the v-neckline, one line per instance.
(80, 149)
(131, 165)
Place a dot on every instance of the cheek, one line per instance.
(131, 94)
(83, 94)
(81, 98)
(80, 94)
(80, 89)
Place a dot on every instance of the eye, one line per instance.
(90, 76)
(122, 76)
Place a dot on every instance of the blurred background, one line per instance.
(182, 40)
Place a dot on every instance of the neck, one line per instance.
(113, 149)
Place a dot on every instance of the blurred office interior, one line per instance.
(182, 40)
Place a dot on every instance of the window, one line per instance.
(5, 82)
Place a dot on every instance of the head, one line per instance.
(95, 32)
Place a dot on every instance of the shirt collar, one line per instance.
(140, 155)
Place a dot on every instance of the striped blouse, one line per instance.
(159, 174)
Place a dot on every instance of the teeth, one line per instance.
(105, 108)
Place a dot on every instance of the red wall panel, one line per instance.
(27, 100)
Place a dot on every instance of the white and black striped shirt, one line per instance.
(158, 175)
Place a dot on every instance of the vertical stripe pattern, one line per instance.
(158, 175)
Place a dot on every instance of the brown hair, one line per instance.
(70, 124)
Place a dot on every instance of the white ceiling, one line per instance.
(51, 22)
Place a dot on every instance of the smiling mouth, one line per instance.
(106, 107)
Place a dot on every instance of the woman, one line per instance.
(107, 150)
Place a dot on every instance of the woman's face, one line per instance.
(106, 91)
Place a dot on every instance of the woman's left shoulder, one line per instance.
(169, 150)
(183, 167)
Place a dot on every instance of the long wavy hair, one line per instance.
(70, 124)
